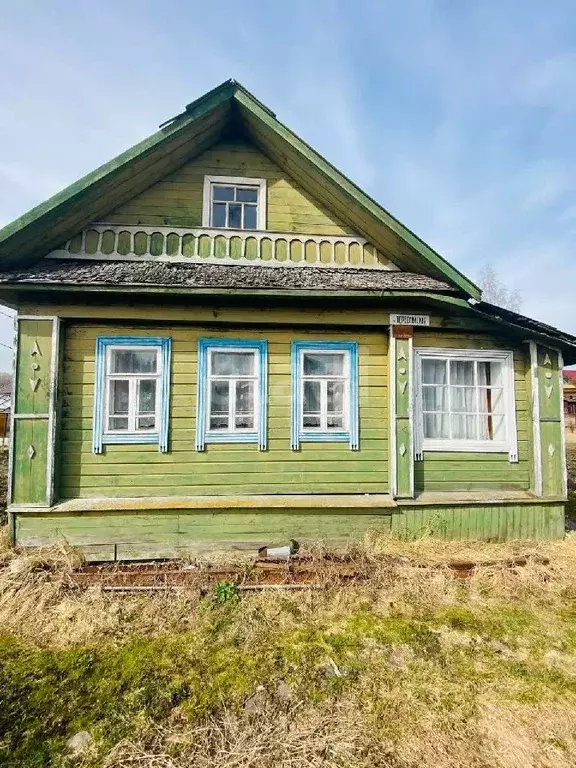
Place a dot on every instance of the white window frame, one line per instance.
(133, 379)
(255, 377)
(234, 181)
(509, 444)
(324, 429)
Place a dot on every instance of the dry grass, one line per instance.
(410, 667)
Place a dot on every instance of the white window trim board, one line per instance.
(510, 445)
(261, 208)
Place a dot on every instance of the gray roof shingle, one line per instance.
(181, 275)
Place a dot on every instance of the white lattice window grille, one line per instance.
(232, 391)
(232, 202)
(325, 384)
(132, 390)
(464, 401)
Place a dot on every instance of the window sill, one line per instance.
(131, 439)
(324, 437)
(465, 446)
(231, 437)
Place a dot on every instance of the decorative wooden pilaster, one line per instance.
(34, 411)
(401, 412)
(548, 423)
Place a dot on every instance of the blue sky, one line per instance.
(459, 116)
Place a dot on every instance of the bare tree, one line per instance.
(495, 292)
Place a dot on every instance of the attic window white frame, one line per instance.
(235, 181)
(509, 445)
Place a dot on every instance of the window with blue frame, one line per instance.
(232, 389)
(131, 401)
(324, 392)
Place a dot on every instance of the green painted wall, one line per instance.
(140, 470)
(551, 443)
(108, 536)
(480, 471)
(177, 199)
(31, 440)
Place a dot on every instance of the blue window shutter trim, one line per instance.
(99, 383)
(166, 348)
(262, 427)
(259, 437)
(99, 438)
(201, 394)
(297, 435)
(354, 398)
(295, 396)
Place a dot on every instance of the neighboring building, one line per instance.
(5, 407)
(570, 404)
(224, 343)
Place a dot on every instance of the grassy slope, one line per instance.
(409, 668)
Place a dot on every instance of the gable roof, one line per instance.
(183, 137)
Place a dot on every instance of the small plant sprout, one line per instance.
(226, 592)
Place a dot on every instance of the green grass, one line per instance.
(411, 664)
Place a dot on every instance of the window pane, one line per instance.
(245, 422)
(117, 423)
(498, 428)
(245, 397)
(434, 372)
(146, 422)
(320, 364)
(134, 361)
(436, 425)
(234, 216)
(246, 195)
(218, 215)
(335, 396)
(462, 372)
(233, 363)
(218, 422)
(312, 397)
(147, 396)
(119, 396)
(463, 399)
(249, 217)
(491, 400)
(335, 422)
(490, 374)
(219, 397)
(464, 427)
(311, 422)
(435, 398)
(492, 428)
(222, 193)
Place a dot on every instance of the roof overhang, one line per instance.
(203, 123)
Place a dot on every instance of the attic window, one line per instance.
(234, 202)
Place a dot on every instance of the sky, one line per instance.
(458, 116)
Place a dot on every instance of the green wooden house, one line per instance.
(222, 342)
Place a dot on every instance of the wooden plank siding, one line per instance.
(177, 199)
(176, 533)
(445, 471)
(222, 469)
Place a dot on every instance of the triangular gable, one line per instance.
(184, 137)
